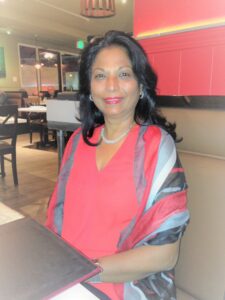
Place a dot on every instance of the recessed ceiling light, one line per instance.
(1, 1)
(8, 31)
(124, 1)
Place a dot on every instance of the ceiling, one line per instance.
(59, 22)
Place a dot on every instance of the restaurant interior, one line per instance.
(40, 46)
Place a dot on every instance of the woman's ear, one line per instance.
(141, 91)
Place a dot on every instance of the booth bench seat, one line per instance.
(200, 271)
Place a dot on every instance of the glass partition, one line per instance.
(70, 66)
(29, 75)
(45, 72)
(49, 72)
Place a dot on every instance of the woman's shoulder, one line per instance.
(154, 131)
(157, 136)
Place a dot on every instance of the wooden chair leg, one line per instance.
(2, 165)
(31, 137)
(14, 169)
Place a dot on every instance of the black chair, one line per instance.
(36, 124)
(8, 136)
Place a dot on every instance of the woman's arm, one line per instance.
(137, 263)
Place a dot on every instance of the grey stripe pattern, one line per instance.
(176, 221)
(165, 163)
(61, 188)
(139, 176)
(139, 179)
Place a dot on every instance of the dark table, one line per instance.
(10, 216)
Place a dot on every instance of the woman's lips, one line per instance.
(112, 100)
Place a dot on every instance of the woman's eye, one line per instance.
(124, 74)
(99, 76)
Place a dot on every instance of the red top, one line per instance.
(100, 204)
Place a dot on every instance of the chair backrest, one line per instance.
(15, 98)
(71, 96)
(8, 123)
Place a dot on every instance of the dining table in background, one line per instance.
(33, 109)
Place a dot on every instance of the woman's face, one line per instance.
(114, 86)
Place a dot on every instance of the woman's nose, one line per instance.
(112, 83)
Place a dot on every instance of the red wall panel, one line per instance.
(218, 70)
(190, 62)
(195, 71)
(167, 67)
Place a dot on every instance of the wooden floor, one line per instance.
(37, 174)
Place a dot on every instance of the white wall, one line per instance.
(203, 131)
(12, 79)
(10, 44)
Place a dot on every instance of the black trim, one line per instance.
(192, 102)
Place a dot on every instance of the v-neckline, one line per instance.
(117, 152)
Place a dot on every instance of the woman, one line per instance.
(121, 192)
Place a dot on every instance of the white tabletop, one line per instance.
(33, 108)
(8, 215)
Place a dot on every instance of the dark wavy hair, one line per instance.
(146, 112)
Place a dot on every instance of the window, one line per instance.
(29, 76)
(48, 71)
(70, 66)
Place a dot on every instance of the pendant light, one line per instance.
(97, 8)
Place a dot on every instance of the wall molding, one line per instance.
(192, 102)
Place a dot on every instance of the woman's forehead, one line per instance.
(112, 54)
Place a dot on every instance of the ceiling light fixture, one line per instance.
(97, 8)
(48, 55)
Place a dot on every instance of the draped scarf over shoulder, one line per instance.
(162, 215)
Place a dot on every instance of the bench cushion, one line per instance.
(181, 295)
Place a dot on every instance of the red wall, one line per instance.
(150, 15)
(188, 63)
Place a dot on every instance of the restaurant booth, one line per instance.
(185, 43)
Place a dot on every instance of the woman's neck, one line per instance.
(113, 129)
